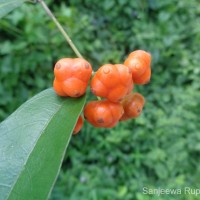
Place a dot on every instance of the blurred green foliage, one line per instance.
(159, 149)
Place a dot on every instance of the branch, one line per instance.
(66, 36)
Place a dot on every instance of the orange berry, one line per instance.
(112, 82)
(58, 88)
(103, 113)
(133, 105)
(79, 125)
(81, 69)
(73, 75)
(141, 54)
(144, 78)
(138, 61)
(136, 65)
(74, 87)
(62, 69)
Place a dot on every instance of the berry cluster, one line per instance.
(112, 82)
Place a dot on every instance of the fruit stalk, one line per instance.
(66, 36)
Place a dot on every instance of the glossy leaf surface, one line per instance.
(33, 141)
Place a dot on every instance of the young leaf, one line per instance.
(8, 5)
(33, 141)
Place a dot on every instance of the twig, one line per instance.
(66, 36)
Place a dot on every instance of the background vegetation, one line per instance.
(159, 149)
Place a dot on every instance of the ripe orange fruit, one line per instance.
(71, 76)
(113, 82)
(58, 87)
(139, 62)
(133, 105)
(79, 125)
(103, 113)
(144, 78)
(62, 69)
(141, 54)
(74, 87)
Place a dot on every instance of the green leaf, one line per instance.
(33, 141)
(8, 5)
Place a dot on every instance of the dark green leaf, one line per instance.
(33, 141)
(8, 5)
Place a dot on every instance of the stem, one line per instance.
(66, 36)
(99, 98)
